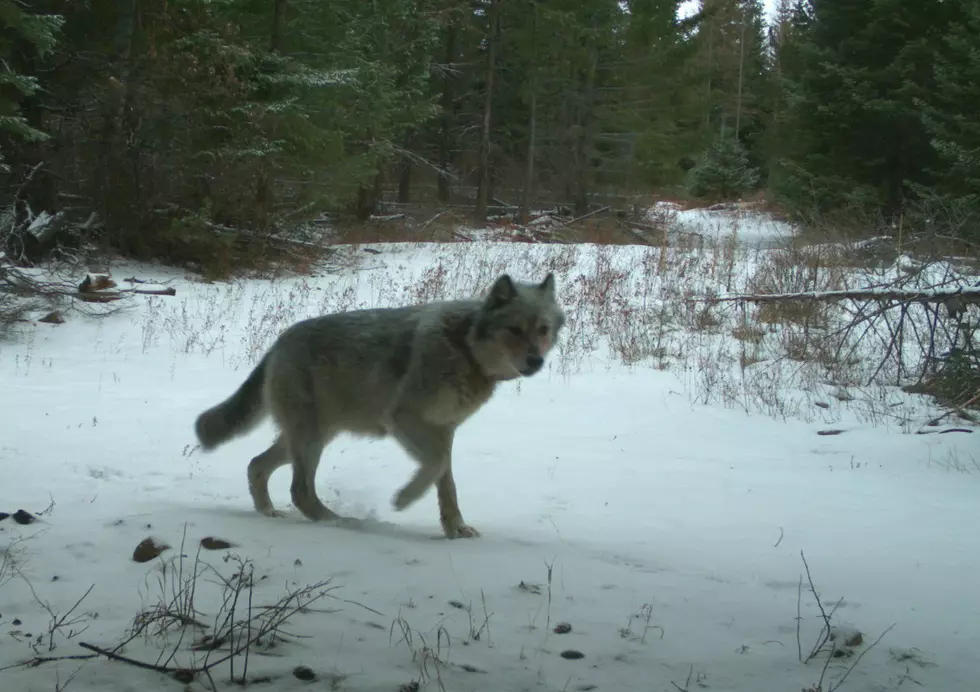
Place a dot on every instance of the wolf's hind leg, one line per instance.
(306, 448)
(259, 470)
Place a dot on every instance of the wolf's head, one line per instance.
(516, 326)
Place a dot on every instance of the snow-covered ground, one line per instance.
(753, 229)
(652, 488)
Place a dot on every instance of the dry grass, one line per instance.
(641, 305)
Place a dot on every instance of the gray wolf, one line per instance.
(415, 373)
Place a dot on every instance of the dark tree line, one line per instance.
(174, 119)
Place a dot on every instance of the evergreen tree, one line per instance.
(723, 171)
(950, 117)
(732, 67)
(857, 136)
(24, 37)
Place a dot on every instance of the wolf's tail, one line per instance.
(236, 415)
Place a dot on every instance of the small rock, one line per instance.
(184, 676)
(3, 515)
(53, 317)
(847, 636)
(22, 517)
(212, 543)
(529, 587)
(821, 404)
(563, 628)
(457, 604)
(148, 549)
(17, 622)
(572, 654)
(304, 673)
(829, 432)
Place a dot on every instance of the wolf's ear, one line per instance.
(502, 292)
(548, 285)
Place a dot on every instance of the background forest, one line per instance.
(169, 126)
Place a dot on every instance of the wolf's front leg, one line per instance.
(449, 514)
(431, 446)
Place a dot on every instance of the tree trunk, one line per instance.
(122, 188)
(445, 150)
(405, 181)
(524, 214)
(368, 196)
(583, 145)
(263, 186)
(278, 24)
(483, 170)
(741, 70)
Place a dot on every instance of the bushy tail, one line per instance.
(236, 415)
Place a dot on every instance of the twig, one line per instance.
(125, 659)
(825, 633)
(687, 684)
(860, 656)
(585, 216)
(799, 618)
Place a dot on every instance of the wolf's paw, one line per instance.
(270, 512)
(404, 498)
(460, 530)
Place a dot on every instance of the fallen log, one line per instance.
(962, 294)
(109, 296)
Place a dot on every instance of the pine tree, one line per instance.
(950, 117)
(723, 171)
(732, 65)
(858, 139)
(25, 36)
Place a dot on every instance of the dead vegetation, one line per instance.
(833, 642)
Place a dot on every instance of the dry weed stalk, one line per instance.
(826, 636)
(423, 653)
(239, 628)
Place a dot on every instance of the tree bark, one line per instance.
(483, 170)
(405, 181)
(278, 24)
(741, 70)
(524, 214)
(583, 145)
(445, 150)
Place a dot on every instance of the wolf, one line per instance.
(414, 373)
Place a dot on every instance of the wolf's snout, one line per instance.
(533, 364)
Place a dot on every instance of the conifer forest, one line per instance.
(151, 123)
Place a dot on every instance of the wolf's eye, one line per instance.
(516, 331)
(543, 329)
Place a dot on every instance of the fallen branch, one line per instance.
(125, 659)
(585, 216)
(962, 294)
(109, 296)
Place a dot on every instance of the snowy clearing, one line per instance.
(653, 488)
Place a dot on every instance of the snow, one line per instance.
(750, 227)
(641, 489)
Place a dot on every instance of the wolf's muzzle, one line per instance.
(532, 365)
